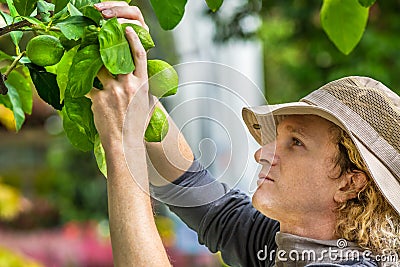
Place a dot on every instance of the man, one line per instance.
(328, 191)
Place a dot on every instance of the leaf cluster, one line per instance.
(90, 43)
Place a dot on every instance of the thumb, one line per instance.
(92, 93)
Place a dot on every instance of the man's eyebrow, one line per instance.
(298, 130)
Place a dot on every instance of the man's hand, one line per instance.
(110, 106)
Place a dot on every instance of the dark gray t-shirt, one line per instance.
(230, 224)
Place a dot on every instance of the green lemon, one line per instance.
(44, 50)
(158, 126)
(163, 79)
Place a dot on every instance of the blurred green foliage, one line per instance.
(73, 183)
(61, 182)
(298, 55)
(301, 58)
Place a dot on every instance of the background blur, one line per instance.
(53, 205)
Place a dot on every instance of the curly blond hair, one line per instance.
(368, 220)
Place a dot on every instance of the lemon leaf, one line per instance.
(214, 5)
(25, 7)
(73, 27)
(76, 133)
(92, 13)
(100, 156)
(169, 13)
(80, 112)
(24, 90)
(79, 4)
(19, 115)
(344, 23)
(114, 48)
(34, 21)
(46, 85)
(366, 3)
(13, 101)
(11, 7)
(90, 36)
(59, 5)
(45, 10)
(5, 100)
(4, 56)
(63, 68)
(85, 66)
(73, 11)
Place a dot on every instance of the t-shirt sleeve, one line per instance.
(224, 219)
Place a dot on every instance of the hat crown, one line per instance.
(372, 101)
(367, 82)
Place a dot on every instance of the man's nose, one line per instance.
(266, 154)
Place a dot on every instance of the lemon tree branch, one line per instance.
(3, 78)
(15, 26)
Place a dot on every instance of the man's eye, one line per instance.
(297, 142)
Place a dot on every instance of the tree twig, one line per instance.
(3, 87)
(13, 27)
(3, 77)
(12, 66)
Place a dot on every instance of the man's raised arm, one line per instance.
(169, 159)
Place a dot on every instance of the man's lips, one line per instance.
(263, 178)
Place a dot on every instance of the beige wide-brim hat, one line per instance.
(365, 108)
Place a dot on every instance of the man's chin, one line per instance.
(261, 203)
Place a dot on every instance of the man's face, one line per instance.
(298, 170)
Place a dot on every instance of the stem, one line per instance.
(3, 77)
(3, 87)
(12, 66)
(34, 29)
(13, 27)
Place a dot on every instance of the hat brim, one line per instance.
(261, 122)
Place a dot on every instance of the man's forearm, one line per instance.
(169, 159)
(135, 240)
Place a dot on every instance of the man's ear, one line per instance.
(350, 185)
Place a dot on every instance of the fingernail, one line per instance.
(107, 12)
(98, 5)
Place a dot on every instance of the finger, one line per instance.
(109, 4)
(105, 76)
(122, 21)
(138, 52)
(130, 12)
(92, 93)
